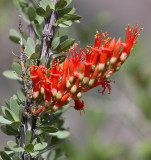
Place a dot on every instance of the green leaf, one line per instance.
(48, 11)
(14, 35)
(30, 46)
(48, 129)
(40, 146)
(68, 2)
(11, 75)
(34, 56)
(61, 134)
(16, 125)
(31, 13)
(72, 17)
(4, 156)
(21, 96)
(27, 137)
(29, 147)
(34, 3)
(45, 3)
(38, 49)
(53, 155)
(63, 38)
(9, 114)
(4, 120)
(65, 24)
(67, 11)
(21, 111)
(7, 129)
(17, 68)
(66, 45)
(14, 107)
(14, 146)
(60, 5)
(55, 43)
(41, 12)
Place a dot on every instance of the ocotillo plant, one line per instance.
(52, 72)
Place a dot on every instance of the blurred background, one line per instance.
(115, 126)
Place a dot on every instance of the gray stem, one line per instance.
(48, 34)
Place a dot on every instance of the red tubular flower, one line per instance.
(116, 51)
(130, 40)
(88, 65)
(76, 57)
(41, 75)
(79, 105)
(34, 76)
(61, 87)
(55, 74)
(66, 66)
(38, 111)
(98, 40)
(47, 88)
(105, 55)
(81, 71)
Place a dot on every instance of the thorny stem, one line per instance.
(29, 120)
(48, 34)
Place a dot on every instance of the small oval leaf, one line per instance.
(29, 147)
(41, 12)
(4, 156)
(49, 129)
(31, 13)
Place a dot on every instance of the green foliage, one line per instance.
(14, 146)
(29, 147)
(4, 156)
(11, 75)
(14, 35)
(7, 129)
(31, 13)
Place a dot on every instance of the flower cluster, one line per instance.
(83, 70)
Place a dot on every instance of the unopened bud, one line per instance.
(54, 108)
(81, 75)
(85, 80)
(123, 57)
(73, 89)
(59, 95)
(113, 60)
(54, 92)
(42, 90)
(79, 95)
(68, 84)
(107, 63)
(91, 82)
(71, 79)
(117, 68)
(35, 94)
(101, 67)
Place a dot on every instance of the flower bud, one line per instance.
(35, 94)
(79, 95)
(73, 89)
(85, 80)
(123, 57)
(68, 84)
(54, 108)
(101, 67)
(113, 60)
(54, 92)
(81, 75)
(42, 90)
(59, 95)
(71, 79)
(91, 82)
